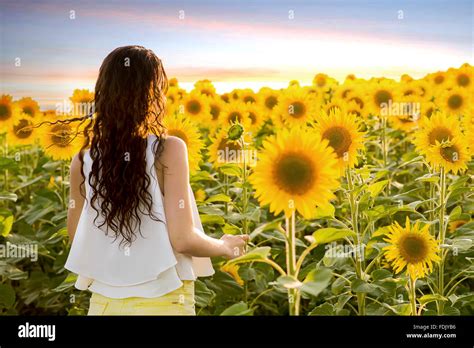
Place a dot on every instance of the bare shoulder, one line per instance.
(76, 163)
(174, 147)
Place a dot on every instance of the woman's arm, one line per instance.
(76, 197)
(177, 204)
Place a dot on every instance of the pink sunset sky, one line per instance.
(61, 44)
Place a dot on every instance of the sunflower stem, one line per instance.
(355, 226)
(63, 185)
(432, 207)
(293, 294)
(384, 150)
(412, 294)
(226, 191)
(244, 191)
(244, 204)
(441, 237)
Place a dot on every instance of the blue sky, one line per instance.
(234, 43)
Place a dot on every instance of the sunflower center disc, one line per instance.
(413, 249)
(439, 79)
(450, 153)
(455, 101)
(235, 117)
(28, 110)
(463, 80)
(194, 107)
(270, 102)
(61, 135)
(357, 100)
(339, 139)
(382, 97)
(22, 129)
(249, 99)
(215, 111)
(297, 109)
(294, 173)
(439, 134)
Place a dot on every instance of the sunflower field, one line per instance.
(357, 196)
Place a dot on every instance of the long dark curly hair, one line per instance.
(129, 105)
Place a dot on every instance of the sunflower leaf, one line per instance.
(431, 298)
(327, 235)
(253, 255)
(220, 197)
(375, 188)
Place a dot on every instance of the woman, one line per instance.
(138, 243)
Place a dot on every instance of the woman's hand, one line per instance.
(234, 245)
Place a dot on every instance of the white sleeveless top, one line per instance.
(149, 267)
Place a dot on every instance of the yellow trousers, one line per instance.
(178, 302)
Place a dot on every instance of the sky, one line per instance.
(49, 48)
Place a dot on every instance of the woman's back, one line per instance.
(129, 242)
(148, 267)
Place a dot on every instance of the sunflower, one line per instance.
(425, 90)
(437, 79)
(428, 109)
(82, 96)
(235, 111)
(294, 83)
(248, 96)
(463, 77)
(352, 108)
(173, 82)
(268, 100)
(296, 170)
(334, 104)
(454, 225)
(342, 132)
(468, 122)
(452, 155)
(381, 96)
(6, 112)
(438, 128)
(174, 95)
(350, 78)
(358, 96)
(217, 106)
(224, 150)
(233, 270)
(323, 81)
(205, 88)
(200, 195)
(61, 140)
(412, 247)
(196, 107)
(184, 129)
(28, 106)
(225, 97)
(343, 91)
(82, 102)
(295, 108)
(411, 89)
(455, 101)
(408, 115)
(406, 78)
(255, 116)
(22, 131)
